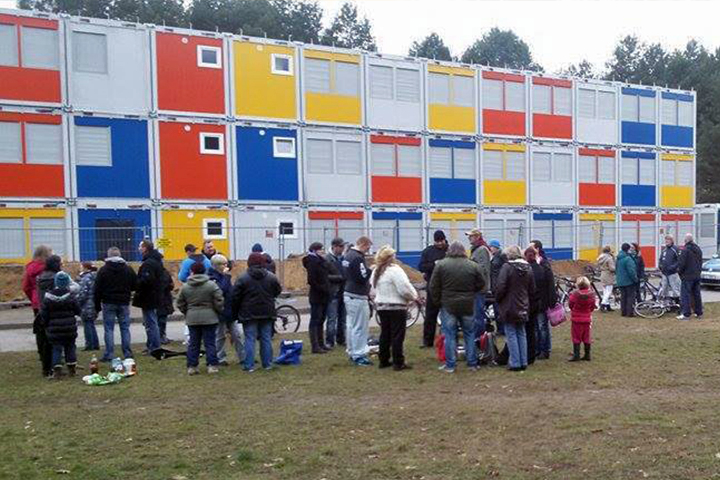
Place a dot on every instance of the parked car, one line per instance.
(710, 275)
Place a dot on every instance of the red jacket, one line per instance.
(29, 281)
(582, 303)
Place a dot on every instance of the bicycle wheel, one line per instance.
(650, 309)
(414, 312)
(287, 319)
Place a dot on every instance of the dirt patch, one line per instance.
(571, 268)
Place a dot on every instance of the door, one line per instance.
(116, 233)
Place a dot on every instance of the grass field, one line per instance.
(645, 407)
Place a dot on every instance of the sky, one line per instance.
(559, 32)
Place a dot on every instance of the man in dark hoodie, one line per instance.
(429, 257)
(148, 291)
(689, 268)
(318, 278)
(253, 303)
(58, 311)
(114, 285)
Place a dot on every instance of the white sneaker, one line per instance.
(682, 317)
(193, 371)
(213, 369)
(446, 369)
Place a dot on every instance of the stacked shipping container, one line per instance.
(110, 131)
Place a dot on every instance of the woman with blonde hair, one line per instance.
(393, 291)
(606, 265)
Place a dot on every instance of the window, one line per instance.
(677, 173)
(503, 165)
(638, 171)
(503, 95)
(407, 85)
(464, 163)
(552, 167)
(39, 48)
(381, 82)
(556, 234)
(551, 100)
(317, 75)
(439, 87)
(348, 158)
(212, 143)
(685, 114)
(542, 99)
(596, 169)
(12, 238)
(463, 94)
(542, 167)
(214, 228)
(347, 79)
(90, 52)
(281, 64)
(320, 157)
(409, 161)
(447, 162)
(44, 144)
(562, 101)
(209, 57)
(324, 76)
(396, 160)
(8, 45)
(451, 89)
(10, 143)
(677, 112)
(707, 225)
(440, 162)
(284, 147)
(638, 108)
(383, 159)
(596, 104)
(286, 229)
(50, 232)
(586, 103)
(93, 146)
(342, 158)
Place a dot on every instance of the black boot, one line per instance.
(586, 357)
(314, 344)
(71, 369)
(576, 353)
(321, 339)
(57, 373)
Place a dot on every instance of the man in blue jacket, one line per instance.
(357, 290)
(192, 257)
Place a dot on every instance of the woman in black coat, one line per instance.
(545, 298)
(640, 262)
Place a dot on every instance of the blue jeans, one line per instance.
(162, 326)
(91, 336)
(479, 314)
(206, 334)
(70, 354)
(356, 327)
(121, 314)
(690, 292)
(251, 335)
(542, 333)
(235, 338)
(335, 325)
(517, 344)
(449, 326)
(150, 320)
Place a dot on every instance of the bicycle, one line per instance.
(287, 317)
(416, 309)
(647, 288)
(656, 308)
(563, 293)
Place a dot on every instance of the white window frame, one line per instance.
(203, 64)
(290, 72)
(279, 154)
(206, 151)
(294, 236)
(222, 222)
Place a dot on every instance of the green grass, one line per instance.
(645, 407)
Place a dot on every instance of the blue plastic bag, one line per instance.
(290, 352)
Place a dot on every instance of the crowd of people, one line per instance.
(518, 284)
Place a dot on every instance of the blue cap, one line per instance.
(494, 243)
(62, 280)
(257, 248)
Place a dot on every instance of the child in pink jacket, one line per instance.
(582, 304)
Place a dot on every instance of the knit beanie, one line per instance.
(257, 248)
(62, 280)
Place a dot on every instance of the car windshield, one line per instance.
(714, 263)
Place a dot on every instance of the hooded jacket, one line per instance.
(545, 296)
(429, 257)
(166, 306)
(115, 283)
(254, 294)
(86, 296)
(356, 273)
(318, 277)
(515, 290)
(606, 265)
(201, 301)
(223, 281)
(582, 304)
(496, 263)
(626, 270)
(149, 281)
(454, 284)
(184, 272)
(669, 260)
(690, 262)
(59, 309)
(29, 281)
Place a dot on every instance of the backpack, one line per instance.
(487, 348)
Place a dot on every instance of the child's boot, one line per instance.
(71, 369)
(587, 352)
(576, 353)
(57, 373)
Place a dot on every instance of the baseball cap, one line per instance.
(474, 232)
(494, 243)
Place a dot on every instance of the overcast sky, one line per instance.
(559, 32)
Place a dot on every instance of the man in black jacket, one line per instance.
(689, 268)
(336, 315)
(497, 260)
(114, 285)
(148, 291)
(429, 257)
(670, 282)
(318, 273)
(355, 296)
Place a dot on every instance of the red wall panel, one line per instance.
(182, 85)
(677, 217)
(397, 189)
(648, 254)
(394, 140)
(552, 126)
(503, 122)
(186, 173)
(597, 194)
(335, 215)
(597, 152)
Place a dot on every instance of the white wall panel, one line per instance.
(596, 115)
(342, 178)
(394, 94)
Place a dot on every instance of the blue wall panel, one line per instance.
(397, 216)
(450, 190)
(127, 238)
(674, 136)
(559, 253)
(638, 133)
(260, 175)
(553, 216)
(129, 176)
(638, 195)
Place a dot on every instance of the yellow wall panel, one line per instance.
(323, 107)
(598, 217)
(26, 214)
(589, 254)
(340, 57)
(181, 227)
(676, 197)
(258, 91)
(502, 192)
(677, 156)
(465, 72)
(450, 118)
(450, 216)
(504, 147)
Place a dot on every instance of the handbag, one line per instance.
(556, 315)
(290, 352)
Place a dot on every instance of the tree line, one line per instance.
(632, 60)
